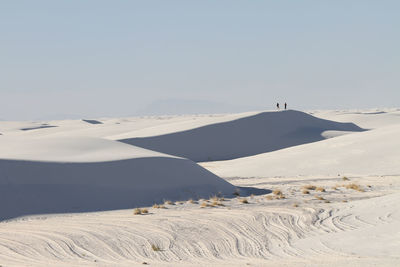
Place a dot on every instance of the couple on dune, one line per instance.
(277, 105)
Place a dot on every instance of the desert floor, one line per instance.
(332, 201)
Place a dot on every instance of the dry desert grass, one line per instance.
(168, 202)
(277, 192)
(159, 206)
(155, 247)
(309, 187)
(244, 201)
(354, 187)
(191, 201)
(138, 211)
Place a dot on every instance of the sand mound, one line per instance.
(372, 152)
(264, 132)
(59, 175)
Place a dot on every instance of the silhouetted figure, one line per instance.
(277, 105)
(285, 105)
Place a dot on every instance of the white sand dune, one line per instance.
(260, 133)
(364, 153)
(118, 128)
(369, 119)
(77, 167)
(58, 175)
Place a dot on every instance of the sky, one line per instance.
(74, 59)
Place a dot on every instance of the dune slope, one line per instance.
(264, 132)
(374, 152)
(88, 174)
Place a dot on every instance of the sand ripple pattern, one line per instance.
(185, 235)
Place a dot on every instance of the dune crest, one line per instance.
(260, 133)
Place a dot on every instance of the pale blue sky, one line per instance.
(117, 58)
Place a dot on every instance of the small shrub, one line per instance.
(344, 200)
(157, 206)
(244, 201)
(309, 187)
(216, 199)
(320, 189)
(204, 205)
(269, 197)
(191, 201)
(345, 178)
(277, 192)
(354, 187)
(168, 202)
(216, 203)
(155, 247)
(144, 211)
(319, 198)
(138, 211)
(327, 201)
(305, 191)
(295, 205)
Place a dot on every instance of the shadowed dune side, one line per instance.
(264, 132)
(38, 127)
(375, 152)
(33, 187)
(92, 121)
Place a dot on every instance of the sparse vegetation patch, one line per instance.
(309, 187)
(158, 206)
(191, 201)
(277, 192)
(155, 247)
(138, 211)
(355, 187)
(244, 201)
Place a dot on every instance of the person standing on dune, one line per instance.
(277, 105)
(285, 105)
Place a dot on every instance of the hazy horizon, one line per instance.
(61, 59)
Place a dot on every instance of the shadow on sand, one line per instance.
(261, 133)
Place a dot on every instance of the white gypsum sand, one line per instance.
(349, 216)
